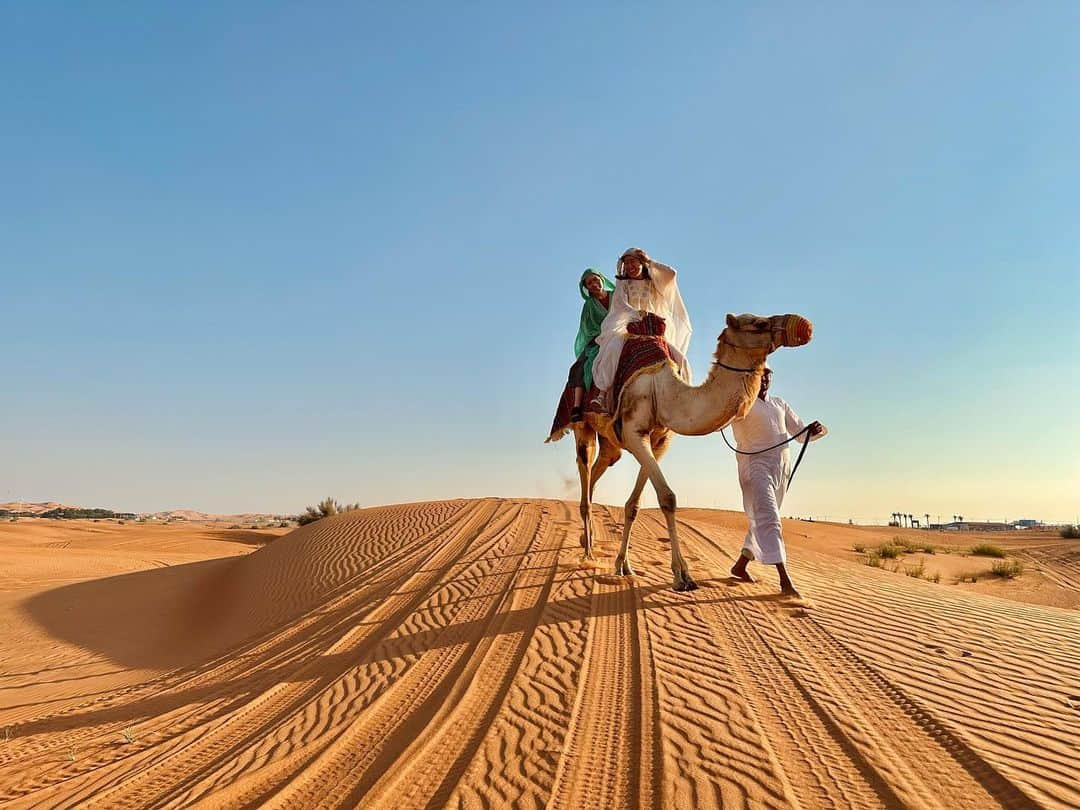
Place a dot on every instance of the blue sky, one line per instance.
(254, 254)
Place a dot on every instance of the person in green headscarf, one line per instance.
(596, 289)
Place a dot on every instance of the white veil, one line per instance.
(665, 300)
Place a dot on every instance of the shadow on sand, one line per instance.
(161, 618)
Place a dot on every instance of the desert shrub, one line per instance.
(915, 571)
(987, 550)
(858, 548)
(970, 576)
(889, 552)
(1009, 569)
(911, 547)
(1071, 532)
(934, 577)
(873, 559)
(325, 508)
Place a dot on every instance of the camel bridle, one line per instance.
(789, 439)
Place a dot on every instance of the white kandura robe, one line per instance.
(658, 294)
(763, 477)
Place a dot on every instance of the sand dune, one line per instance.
(457, 654)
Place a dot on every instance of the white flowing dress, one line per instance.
(632, 298)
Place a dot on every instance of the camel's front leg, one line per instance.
(585, 440)
(622, 562)
(607, 456)
(642, 451)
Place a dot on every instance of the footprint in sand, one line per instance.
(939, 649)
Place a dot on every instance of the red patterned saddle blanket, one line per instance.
(645, 351)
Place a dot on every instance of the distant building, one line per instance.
(1027, 523)
(973, 526)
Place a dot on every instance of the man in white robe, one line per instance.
(763, 478)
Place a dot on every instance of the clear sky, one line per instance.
(253, 254)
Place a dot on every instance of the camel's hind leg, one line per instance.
(585, 444)
(642, 450)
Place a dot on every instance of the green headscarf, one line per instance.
(592, 315)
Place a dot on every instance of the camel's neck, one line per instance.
(725, 395)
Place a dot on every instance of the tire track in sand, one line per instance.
(609, 756)
(515, 763)
(348, 767)
(802, 672)
(424, 773)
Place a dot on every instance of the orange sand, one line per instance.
(456, 654)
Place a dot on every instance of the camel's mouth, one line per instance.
(797, 330)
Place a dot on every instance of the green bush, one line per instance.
(988, 550)
(889, 552)
(326, 508)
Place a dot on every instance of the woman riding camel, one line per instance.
(643, 286)
(596, 289)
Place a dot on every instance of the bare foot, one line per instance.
(742, 575)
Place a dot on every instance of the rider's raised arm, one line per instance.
(661, 274)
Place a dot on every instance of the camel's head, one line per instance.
(769, 334)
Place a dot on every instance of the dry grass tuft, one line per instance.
(987, 550)
(917, 571)
(1009, 569)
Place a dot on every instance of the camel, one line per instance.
(656, 404)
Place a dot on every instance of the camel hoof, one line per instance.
(685, 584)
(623, 569)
